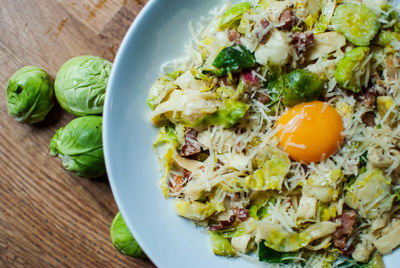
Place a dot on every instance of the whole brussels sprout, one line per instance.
(81, 84)
(79, 145)
(123, 239)
(30, 95)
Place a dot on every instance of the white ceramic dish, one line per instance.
(157, 36)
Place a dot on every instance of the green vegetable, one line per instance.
(227, 115)
(221, 246)
(384, 38)
(232, 16)
(122, 238)
(358, 23)
(81, 84)
(30, 95)
(348, 67)
(301, 86)
(233, 59)
(159, 91)
(79, 145)
(269, 255)
(370, 194)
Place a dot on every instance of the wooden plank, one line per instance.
(48, 216)
(94, 14)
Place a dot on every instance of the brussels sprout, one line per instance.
(30, 95)
(196, 210)
(227, 115)
(232, 16)
(122, 238)
(370, 194)
(271, 175)
(221, 245)
(356, 22)
(347, 69)
(79, 145)
(233, 59)
(81, 84)
(301, 86)
(384, 38)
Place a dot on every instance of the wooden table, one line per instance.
(48, 216)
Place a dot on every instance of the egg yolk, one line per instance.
(310, 132)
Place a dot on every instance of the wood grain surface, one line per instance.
(48, 216)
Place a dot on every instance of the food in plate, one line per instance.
(279, 131)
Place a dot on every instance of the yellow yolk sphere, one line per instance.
(310, 132)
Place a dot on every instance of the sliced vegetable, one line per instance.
(196, 210)
(233, 59)
(221, 246)
(269, 255)
(227, 115)
(370, 194)
(384, 38)
(232, 16)
(350, 72)
(357, 22)
(159, 92)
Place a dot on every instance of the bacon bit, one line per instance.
(223, 224)
(368, 96)
(242, 214)
(191, 146)
(301, 42)
(288, 19)
(347, 221)
(264, 23)
(178, 183)
(234, 36)
(369, 119)
(251, 81)
(261, 97)
(187, 174)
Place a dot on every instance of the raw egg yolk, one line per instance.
(310, 132)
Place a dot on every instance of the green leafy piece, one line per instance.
(275, 83)
(363, 159)
(228, 114)
(221, 246)
(123, 239)
(356, 22)
(79, 145)
(260, 211)
(233, 59)
(30, 95)
(231, 18)
(301, 86)
(81, 84)
(269, 255)
(384, 38)
(348, 68)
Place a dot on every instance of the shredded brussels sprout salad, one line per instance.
(280, 135)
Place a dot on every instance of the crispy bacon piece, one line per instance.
(301, 42)
(223, 224)
(251, 81)
(368, 96)
(262, 97)
(288, 19)
(369, 119)
(178, 183)
(347, 222)
(234, 36)
(191, 146)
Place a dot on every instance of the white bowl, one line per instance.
(157, 36)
